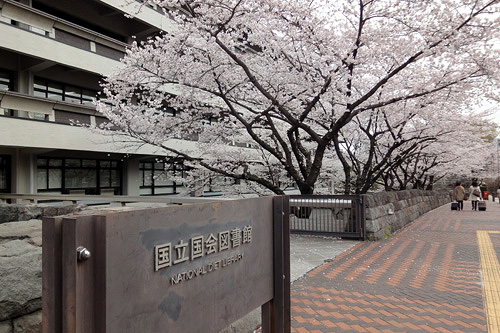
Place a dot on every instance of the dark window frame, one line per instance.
(5, 165)
(175, 165)
(212, 188)
(82, 98)
(114, 165)
(8, 77)
(9, 85)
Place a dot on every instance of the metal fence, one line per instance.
(333, 215)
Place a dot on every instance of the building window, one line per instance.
(4, 174)
(5, 81)
(63, 92)
(110, 176)
(157, 177)
(49, 174)
(65, 117)
(216, 184)
(80, 174)
(49, 90)
(71, 174)
(6, 84)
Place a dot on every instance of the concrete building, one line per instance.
(53, 53)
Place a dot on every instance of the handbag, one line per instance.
(476, 193)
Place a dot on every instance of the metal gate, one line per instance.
(334, 215)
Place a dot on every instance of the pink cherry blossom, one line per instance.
(276, 92)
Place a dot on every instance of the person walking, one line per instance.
(459, 195)
(475, 194)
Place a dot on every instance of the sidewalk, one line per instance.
(440, 274)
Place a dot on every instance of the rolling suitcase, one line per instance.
(481, 205)
(454, 205)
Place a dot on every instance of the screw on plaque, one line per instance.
(82, 254)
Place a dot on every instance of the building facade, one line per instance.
(53, 54)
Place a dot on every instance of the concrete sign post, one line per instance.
(195, 268)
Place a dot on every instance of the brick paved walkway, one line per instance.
(427, 278)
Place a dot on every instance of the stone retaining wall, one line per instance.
(21, 264)
(21, 276)
(26, 212)
(387, 212)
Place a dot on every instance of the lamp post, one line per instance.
(497, 182)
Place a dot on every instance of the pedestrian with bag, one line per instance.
(475, 194)
(459, 195)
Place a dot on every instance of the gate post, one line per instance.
(276, 313)
(52, 274)
(71, 287)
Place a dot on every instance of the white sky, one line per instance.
(495, 107)
(496, 116)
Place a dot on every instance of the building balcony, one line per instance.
(150, 15)
(47, 37)
(39, 123)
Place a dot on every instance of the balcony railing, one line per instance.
(36, 108)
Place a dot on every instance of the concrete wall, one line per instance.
(23, 172)
(132, 177)
(47, 48)
(387, 212)
(20, 133)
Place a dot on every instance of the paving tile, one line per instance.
(328, 323)
(372, 330)
(427, 278)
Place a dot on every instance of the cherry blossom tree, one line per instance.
(414, 147)
(449, 147)
(286, 79)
